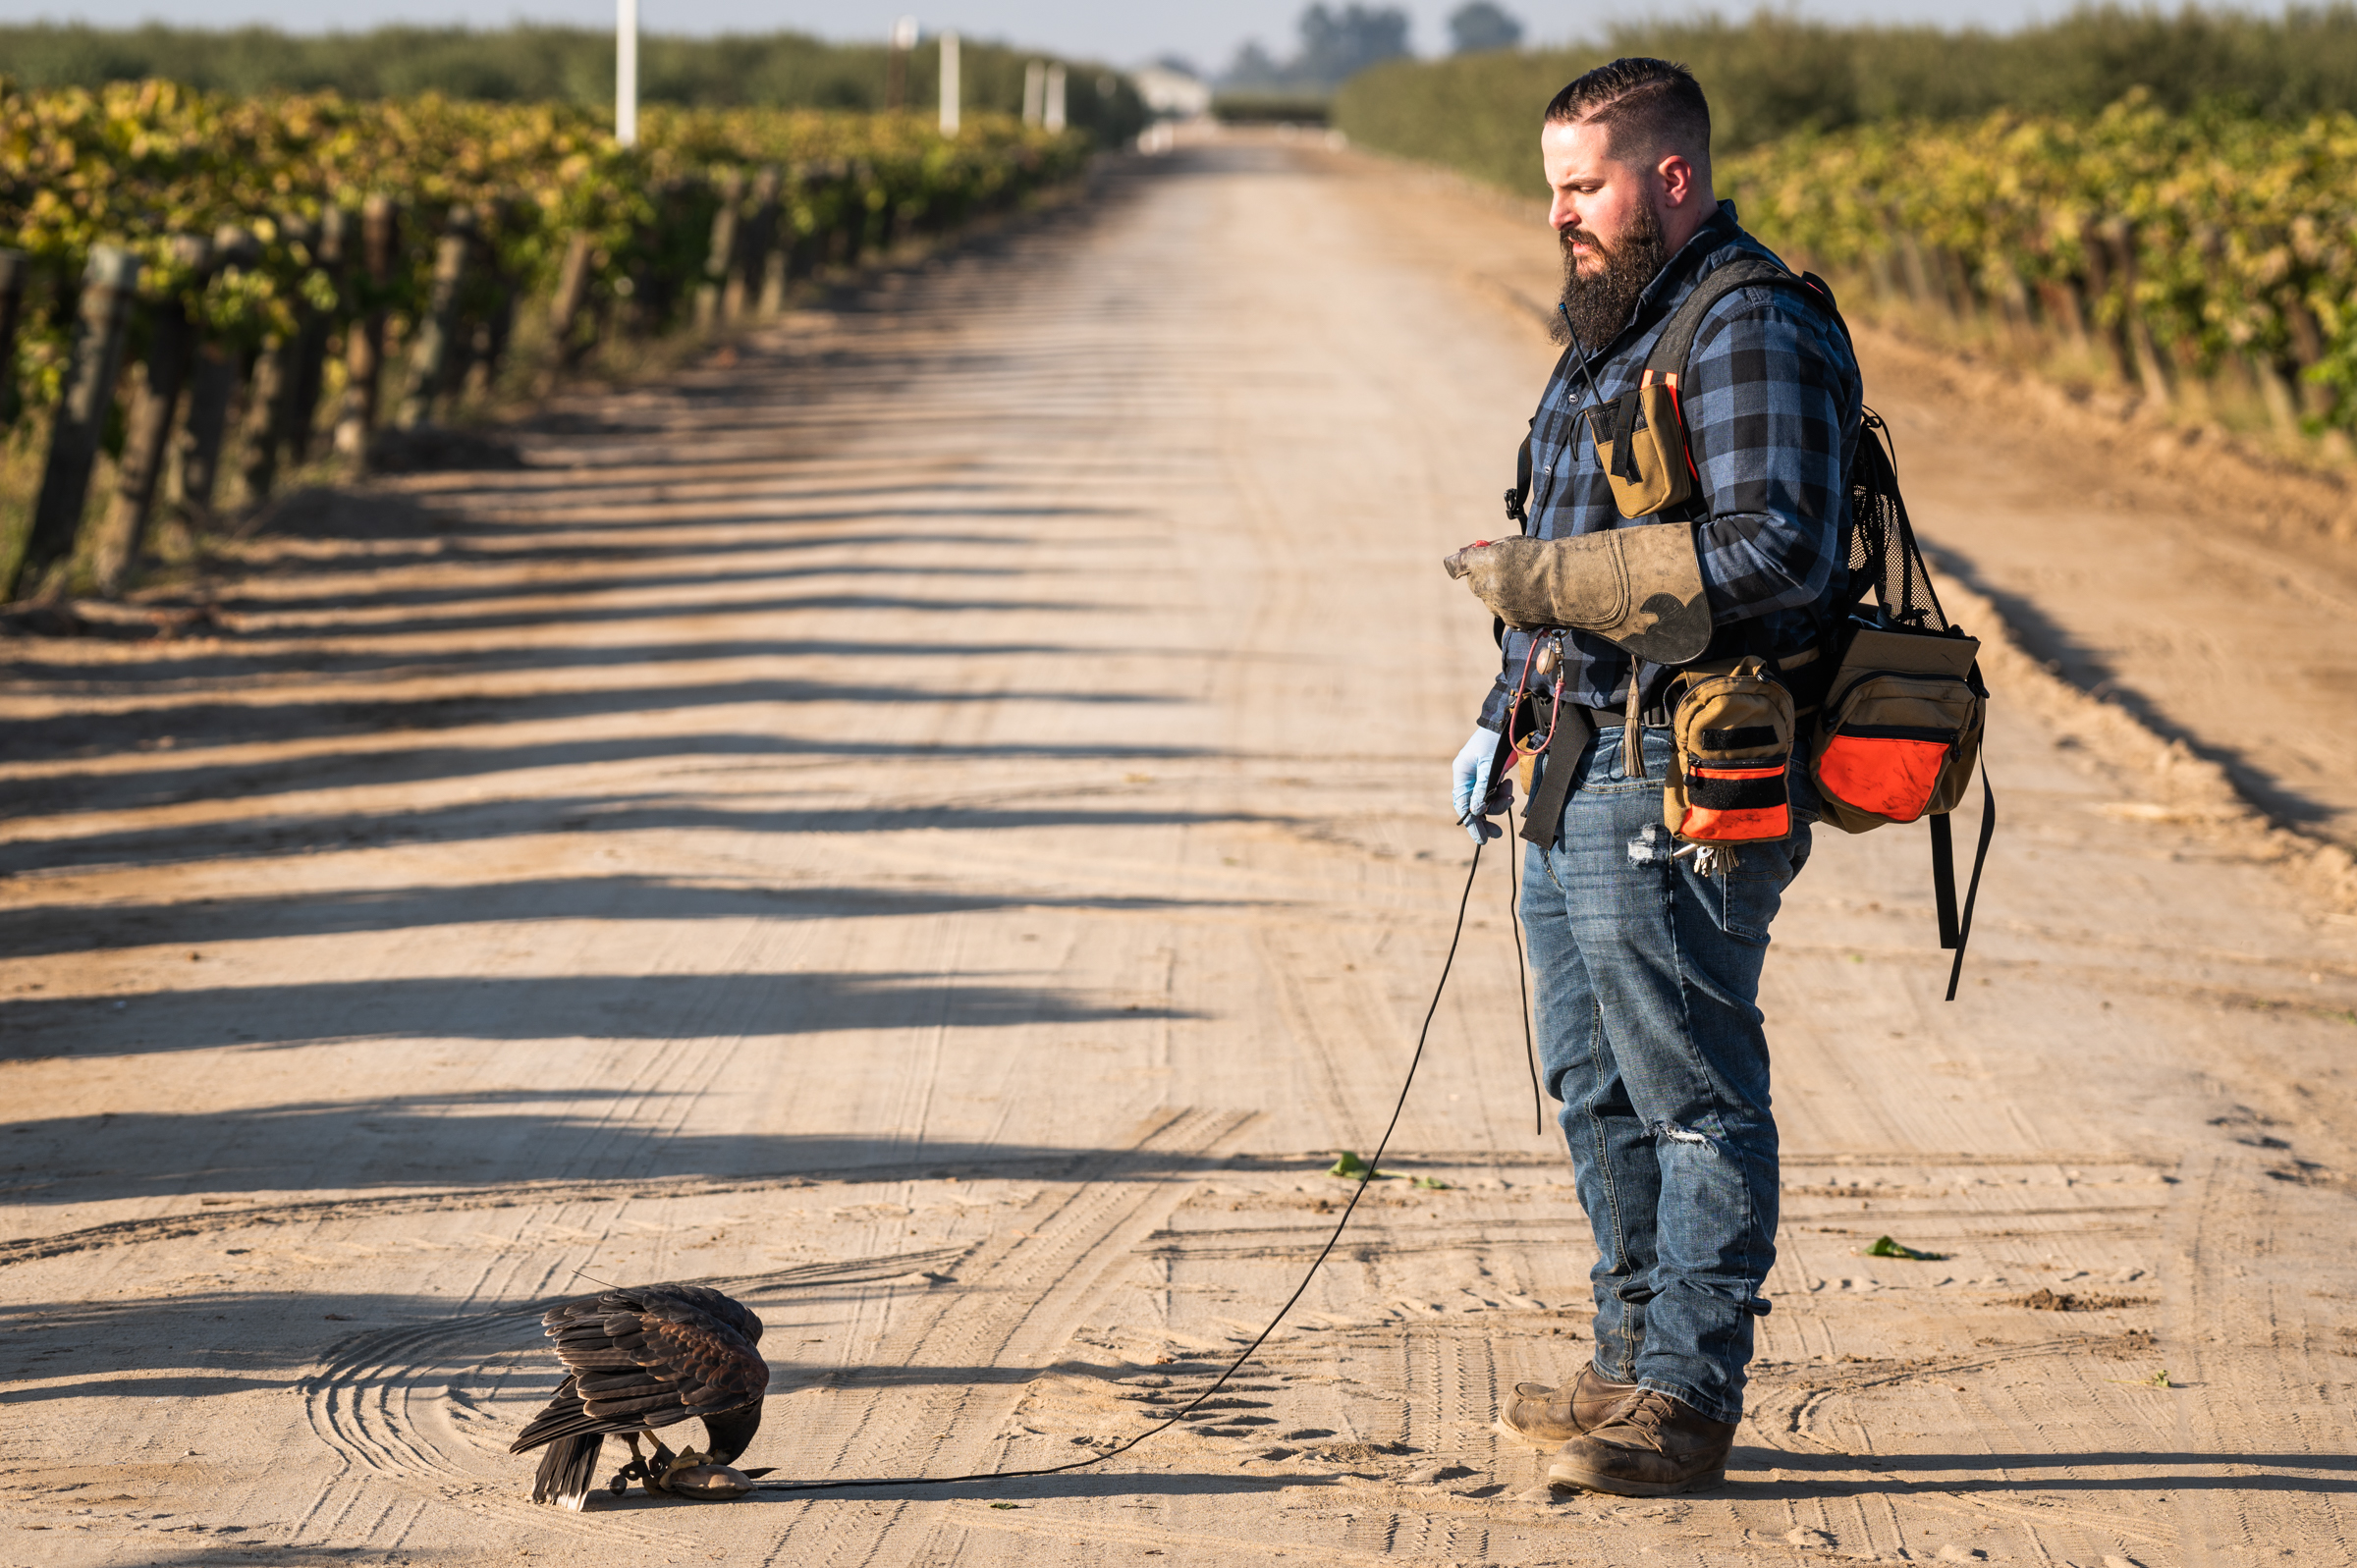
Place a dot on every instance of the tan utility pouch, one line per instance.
(1641, 439)
(1900, 730)
(1731, 740)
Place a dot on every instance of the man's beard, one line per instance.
(1600, 303)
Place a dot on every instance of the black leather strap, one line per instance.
(1944, 881)
(1517, 500)
(1972, 889)
(1573, 727)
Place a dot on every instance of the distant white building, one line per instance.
(1173, 94)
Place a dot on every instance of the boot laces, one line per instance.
(1648, 1410)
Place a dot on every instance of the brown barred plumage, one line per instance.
(638, 1360)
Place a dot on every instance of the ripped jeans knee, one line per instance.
(1677, 1133)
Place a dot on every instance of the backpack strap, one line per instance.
(1955, 931)
(1675, 344)
(1517, 500)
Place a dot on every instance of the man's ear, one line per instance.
(1680, 180)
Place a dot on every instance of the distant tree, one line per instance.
(1252, 69)
(1179, 62)
(1480, 27)
(1335, 47)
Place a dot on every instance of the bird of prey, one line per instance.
(638, 1360)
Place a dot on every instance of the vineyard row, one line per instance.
(2185, 248)
(214, 289)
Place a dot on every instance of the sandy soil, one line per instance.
(935, 820)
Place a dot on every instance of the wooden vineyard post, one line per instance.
(868, 216)
(2113, 335)
(15, 268)
(2059, 301)
(270, 387)
(1916, 274)
(806, 252)
(851, 210)
(2013, 303)
(2142, 351)
(364, 339)
(257, 439)
(87, 398)
(195, 471)
(718, 262)
(502, 325)
(565, 311)
(331, 254)
(479, 338)
(653, 284)
(748, 276)
(436, 329)
(777, 258)
(1877, 275)
(171, 352)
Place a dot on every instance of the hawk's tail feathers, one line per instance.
(568, 1470)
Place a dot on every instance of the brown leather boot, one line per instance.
(1537, 1414)
(1649, 1446)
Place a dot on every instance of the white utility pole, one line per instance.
(895, 64)
(1035, 87)
(949, 93)
(1053, 119)
(626, 72)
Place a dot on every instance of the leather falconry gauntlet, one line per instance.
(1640, 587)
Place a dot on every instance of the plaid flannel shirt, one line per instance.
(1770, 397)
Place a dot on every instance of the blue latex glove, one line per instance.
(1476, 797)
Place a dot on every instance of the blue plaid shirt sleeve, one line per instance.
(1763, 399)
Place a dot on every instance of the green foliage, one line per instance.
(2242, 232)
(2218, 148)
(138, 163)
(1349, 1167)
(1885, 1247)
(530, 64)
(1775, 75)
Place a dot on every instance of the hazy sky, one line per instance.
(1128, 33)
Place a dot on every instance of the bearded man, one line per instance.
(1648, 966)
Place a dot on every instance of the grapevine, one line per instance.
(2222, 235)
(136, 164)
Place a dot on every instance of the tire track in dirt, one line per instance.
(2237, 1315)
(1022, 1293)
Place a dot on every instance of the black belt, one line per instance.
(1615, 717)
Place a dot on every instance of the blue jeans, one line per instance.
(1648, 979)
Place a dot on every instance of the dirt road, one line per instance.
(935, 821)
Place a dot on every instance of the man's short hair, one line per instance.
(1648, 107)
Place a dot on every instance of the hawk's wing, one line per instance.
(653, 1356)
